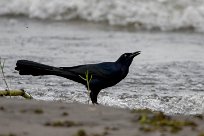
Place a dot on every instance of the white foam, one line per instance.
(147, 14)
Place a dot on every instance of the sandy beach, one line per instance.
(161, 79)
(40, 118)
(162, 95)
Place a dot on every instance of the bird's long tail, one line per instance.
(26, 67)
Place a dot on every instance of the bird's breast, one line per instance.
(124, 72)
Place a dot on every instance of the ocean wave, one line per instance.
(165, 15)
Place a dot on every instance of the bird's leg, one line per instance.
(94, 95)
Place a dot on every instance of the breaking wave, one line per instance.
(165, 15)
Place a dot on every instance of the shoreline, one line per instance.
(102, 26)
(36, 118)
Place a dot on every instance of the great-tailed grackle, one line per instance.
(104, 74)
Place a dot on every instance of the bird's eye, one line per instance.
(125, 55)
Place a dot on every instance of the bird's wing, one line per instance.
(105, 70)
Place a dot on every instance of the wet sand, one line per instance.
(40, 118)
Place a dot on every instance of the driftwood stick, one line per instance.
(15, 93)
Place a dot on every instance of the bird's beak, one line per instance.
(135, 54)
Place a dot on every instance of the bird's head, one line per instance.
(126, 58)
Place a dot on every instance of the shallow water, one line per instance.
(167, 76)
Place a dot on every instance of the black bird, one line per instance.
(103, 74)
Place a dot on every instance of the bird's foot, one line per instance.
(95, 103)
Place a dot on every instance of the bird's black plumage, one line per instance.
(104, 74)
